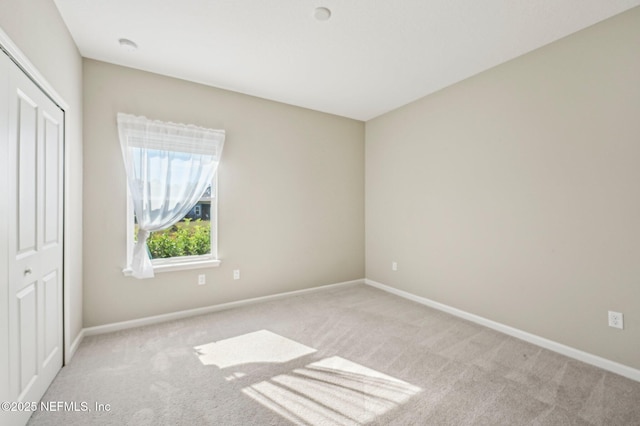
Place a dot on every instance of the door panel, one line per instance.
(51, 286)
(50, 197)
(27, 121)
(28, 337)
(52, 173)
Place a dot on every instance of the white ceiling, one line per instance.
(372, 56)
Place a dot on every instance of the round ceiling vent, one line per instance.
(322, 14)
(127, 44)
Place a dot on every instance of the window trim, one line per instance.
(179, 263)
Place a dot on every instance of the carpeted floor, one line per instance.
(347, 356)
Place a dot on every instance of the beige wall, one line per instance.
(36, 27)
(515, 195)
(291, 196)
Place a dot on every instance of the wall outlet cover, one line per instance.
(616, 320)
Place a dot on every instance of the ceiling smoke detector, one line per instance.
(322, 14)
(127, 44)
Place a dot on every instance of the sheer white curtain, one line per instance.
(169, 166)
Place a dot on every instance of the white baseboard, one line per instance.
(586, 357)
(108, 328)
(74, 347)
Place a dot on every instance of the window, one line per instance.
(189, 244)
(172, 192)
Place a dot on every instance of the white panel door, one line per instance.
(34, 214)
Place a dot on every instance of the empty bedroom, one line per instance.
(320, 212)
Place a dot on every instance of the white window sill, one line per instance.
(169, 266)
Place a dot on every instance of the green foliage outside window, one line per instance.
(186, 238)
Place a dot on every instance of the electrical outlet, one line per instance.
(394, 266)
(616, 320)
(202, 279)
(236, 274)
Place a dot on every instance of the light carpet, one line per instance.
(345, 356)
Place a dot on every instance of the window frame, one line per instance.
(178, 263)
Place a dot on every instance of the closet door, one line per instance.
(34, 214)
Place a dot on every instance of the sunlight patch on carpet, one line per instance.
(333, 391)
(259, 346)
